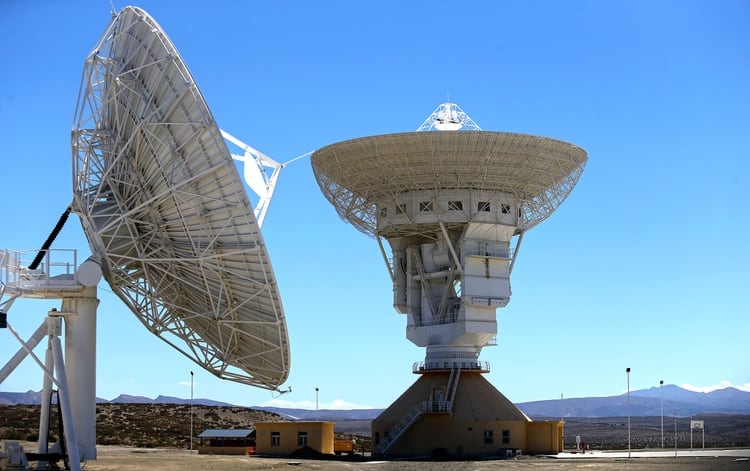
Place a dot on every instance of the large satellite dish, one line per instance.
(171, 229)
(453, 202)
(165, 212)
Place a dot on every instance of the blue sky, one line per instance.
(645, 265)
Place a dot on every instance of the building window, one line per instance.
(506, 437)
(275, 438)
(488, 437)
(377, 438)
(301, 438)
(425, 206)
(505, 208)
(400, 208)
(383, 211)
(483, 206)
(455, 205)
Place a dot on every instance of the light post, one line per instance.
(627, 372)
(191, 412)
(661, 398)
(675, 434)
(562, 423)
(316, 405)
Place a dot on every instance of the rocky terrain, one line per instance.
(144, 425)
(141, 425)
(168, 426)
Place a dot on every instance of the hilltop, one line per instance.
(671, 399)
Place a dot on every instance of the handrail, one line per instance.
(421, 408)
(395, 433)
(453, 386)
(449, 364)
(56, 268)
(478, 252)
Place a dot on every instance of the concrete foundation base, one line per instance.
(463, 415)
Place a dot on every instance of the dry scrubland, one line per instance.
(144, 425)
(137, 437)
(608, 433)
(168, 426)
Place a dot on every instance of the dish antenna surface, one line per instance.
(170, 226)
(165, 212)
(453, 203)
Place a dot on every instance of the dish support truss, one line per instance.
(449, 117)
(256, 167)
(68, 366)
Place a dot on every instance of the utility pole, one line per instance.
(191, 412)
(661, 397)
(627, 372)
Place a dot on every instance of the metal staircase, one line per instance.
(425, 407)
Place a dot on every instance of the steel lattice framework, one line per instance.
(165, 212)
(359, 175)
(448, 117)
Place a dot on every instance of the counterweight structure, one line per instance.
(453, 202)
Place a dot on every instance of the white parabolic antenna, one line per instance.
(453, 202)
(165, 211)
(170, 226)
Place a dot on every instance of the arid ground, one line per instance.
(140, 437)
(113, 458)
(167, 426)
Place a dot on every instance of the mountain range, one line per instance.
(669, 399)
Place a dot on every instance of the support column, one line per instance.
(80, 359)
(44, 415)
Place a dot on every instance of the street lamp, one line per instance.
(675, 434)
(316, 405)
(661, 397)
(627, 372)
(191, 412)
(562, 423)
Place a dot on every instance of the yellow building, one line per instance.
(283, 438)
